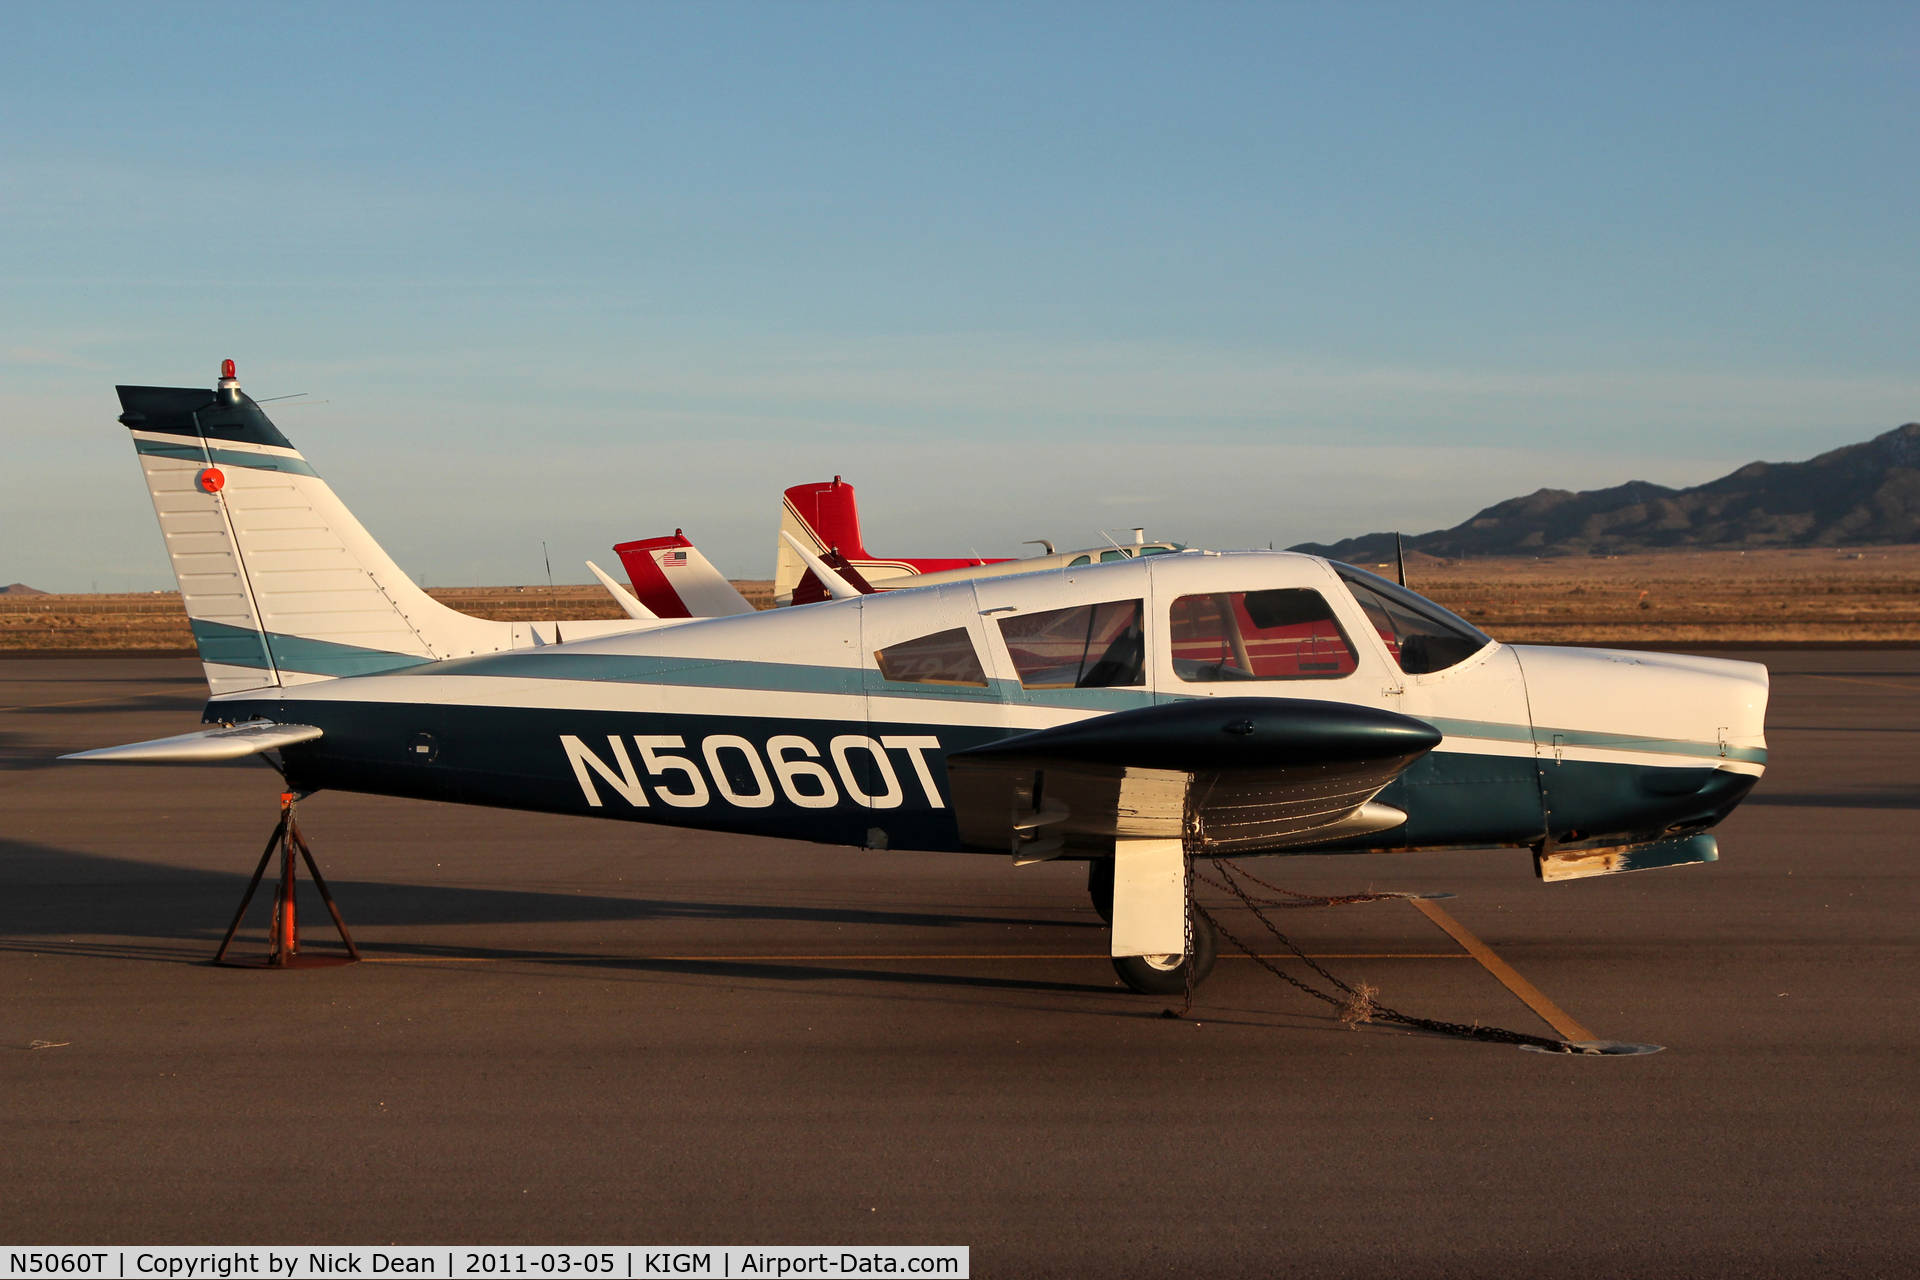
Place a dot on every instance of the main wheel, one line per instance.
(1167, 975)
(1100, 886)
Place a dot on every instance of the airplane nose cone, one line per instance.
(1705, 709)
(1643, 742)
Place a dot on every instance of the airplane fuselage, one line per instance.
(835, 722)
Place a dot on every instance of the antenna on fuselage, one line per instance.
(1400, 558)
(551, 602)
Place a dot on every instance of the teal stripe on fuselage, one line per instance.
(1489, 729)
(1587, 738)
(242, 647)
(789, 677)
(194, 451)
(709, 673)
(766, 677)
(230, 646)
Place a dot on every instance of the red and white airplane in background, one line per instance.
(821, 521)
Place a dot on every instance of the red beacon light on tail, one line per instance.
(229, 383)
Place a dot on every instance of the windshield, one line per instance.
(1422, 636)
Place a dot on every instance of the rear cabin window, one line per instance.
(1284, 634)
(1093, 646)
(1421, 636)
(945, 657)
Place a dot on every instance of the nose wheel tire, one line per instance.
(1167, 975)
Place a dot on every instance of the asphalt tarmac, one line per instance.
(580, 1031)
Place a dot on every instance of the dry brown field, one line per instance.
(155, 621)
(1825, 597)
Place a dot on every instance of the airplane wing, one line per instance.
(205, 745)
(1248, 774)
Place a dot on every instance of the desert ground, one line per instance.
(571, 1029)
(1822, 596)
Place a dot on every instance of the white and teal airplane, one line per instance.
(1130, 714)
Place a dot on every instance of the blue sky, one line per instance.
(1239, 273)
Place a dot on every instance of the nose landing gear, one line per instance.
(1167, 975)
(1158, 975)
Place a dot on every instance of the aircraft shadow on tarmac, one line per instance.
(49, 892)
(185, 702)
(20, 751)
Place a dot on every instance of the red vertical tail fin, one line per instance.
(674, 580)
(823, 517)
(829, 512)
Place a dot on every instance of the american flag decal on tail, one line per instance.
(673, 560)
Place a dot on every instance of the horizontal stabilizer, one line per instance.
(836, 586)
(621, 596)
(205, 745)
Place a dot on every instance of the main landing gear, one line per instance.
(1154, 975)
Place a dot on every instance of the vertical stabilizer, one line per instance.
(281, 584)
(822, 517)
(674, 580)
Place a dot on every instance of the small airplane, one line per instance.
(823, 518)
(671, 579)
(1131, 714)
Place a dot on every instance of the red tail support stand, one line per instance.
(283, 936)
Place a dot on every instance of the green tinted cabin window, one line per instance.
(1105, 556)
(1287, 634)
(1093, 646)
(945, 657)
(1077, 561)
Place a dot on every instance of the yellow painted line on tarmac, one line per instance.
(1878, 684)
(1553, 1014)
(1090, 955)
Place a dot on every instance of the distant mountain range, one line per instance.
(21, 589)
(1860, 495)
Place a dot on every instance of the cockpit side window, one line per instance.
(1092, 646)
(945, 657)
(1285, 634)
(1422, 636)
